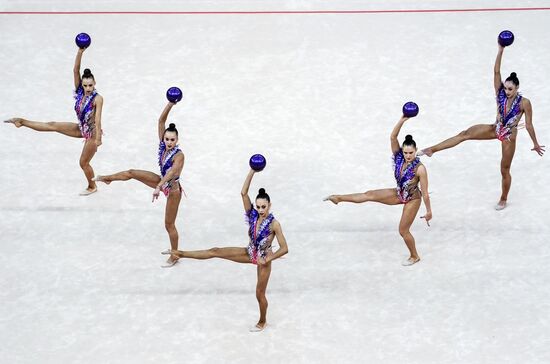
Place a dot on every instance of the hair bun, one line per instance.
(172, 126)
(408, 138)
(87, 71)
(261, 191)
(513, 75)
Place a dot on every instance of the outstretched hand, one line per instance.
(428, 217)
(539, 149)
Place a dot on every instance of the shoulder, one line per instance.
(275, 225)
(525, 106)
(179, 156)
(421, 169)
(397, 153)
(98, 99)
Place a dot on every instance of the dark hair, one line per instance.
(409, 141)
(513, 78)
(262, 194)
(171, 127)
(88, 74)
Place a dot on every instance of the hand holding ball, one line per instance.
(174, 95)
(83, 40)
(505, 38)
(257, 162)
(410, 109)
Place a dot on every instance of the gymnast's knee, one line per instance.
(404, 232)
(505, 171)
(260, 295)
(170, 226)
(84, 163)
(464, 135)
(214, 252)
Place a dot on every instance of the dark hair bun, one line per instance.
(87, 74)
(261, 191)
(513, 75)
(172, 126)
(408, 138)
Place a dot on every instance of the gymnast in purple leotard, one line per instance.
(170, 160)
(409, 172)
(88, 107)
(511, 106)
(262, 229)
(405, 173)
(166, 161)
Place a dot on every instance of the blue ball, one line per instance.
(174, 94)
(257, 162)
(83, 40)
(505, 38)
(410, 109)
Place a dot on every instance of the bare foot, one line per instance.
(99, 178)
(332, 198)
(427, 152)
(18, 122)
(501, 205)
(260, 326)
(410, 261)
(176, 254)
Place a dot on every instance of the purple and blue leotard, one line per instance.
(407, 182)
(85, 109)
(507, 120)
(165, 166)
(258, 245)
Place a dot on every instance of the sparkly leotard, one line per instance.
(165, 164)
(84, 107)
(258, 245)
(507, 120)
(407, 181)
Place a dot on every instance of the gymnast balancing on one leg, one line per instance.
(88, 107)
(408, 171)
(170, 159)
(263, 228)
(510, 108)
